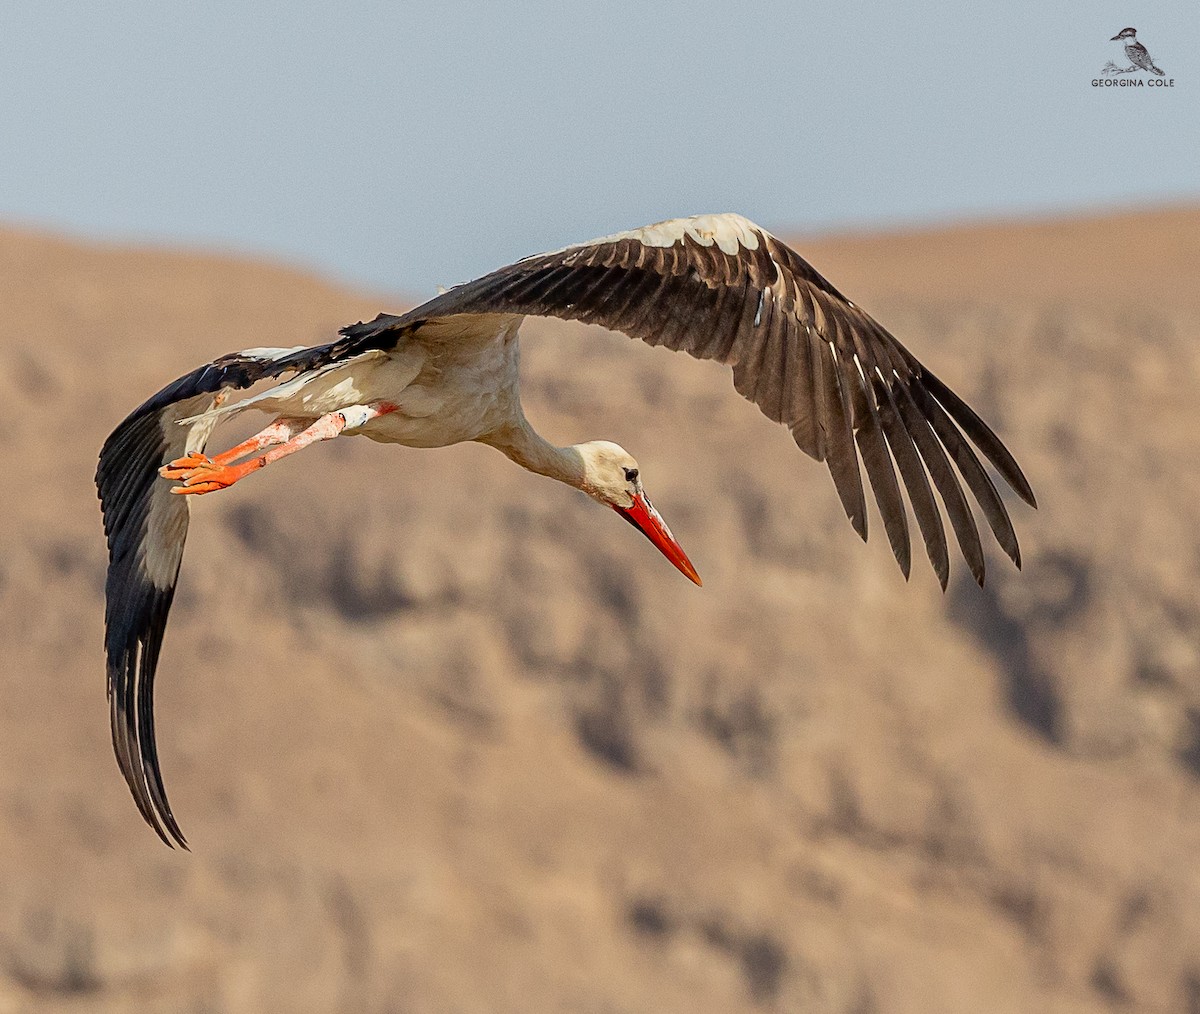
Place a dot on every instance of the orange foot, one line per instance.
(200, 474)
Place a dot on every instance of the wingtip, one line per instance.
(164, 818)
(1020, 485)
(941, 569)
(176, 833)
(159, 816)
(169, 832)
(168, 841)
(162, 825)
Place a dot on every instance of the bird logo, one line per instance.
(1137, 55)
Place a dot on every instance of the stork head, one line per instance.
(1125, 33)
(611, 476)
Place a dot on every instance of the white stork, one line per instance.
(715, 286)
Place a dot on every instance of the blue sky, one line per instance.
(403, 146)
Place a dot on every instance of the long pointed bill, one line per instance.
(642, 515)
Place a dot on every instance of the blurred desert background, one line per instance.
(447, 737)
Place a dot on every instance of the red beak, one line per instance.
(642, 515)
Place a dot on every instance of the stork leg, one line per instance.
(278, 432)
(198, 473)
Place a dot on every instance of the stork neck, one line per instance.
(528, 449)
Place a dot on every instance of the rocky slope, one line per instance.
(447, 737)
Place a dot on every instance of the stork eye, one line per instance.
(631, 475)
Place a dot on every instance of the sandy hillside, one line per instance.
(450, 738)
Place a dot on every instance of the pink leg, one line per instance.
(199, 474)
(279, 431)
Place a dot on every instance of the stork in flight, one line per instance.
(715, 286)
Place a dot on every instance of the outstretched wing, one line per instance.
(146, 527)
(719, 287)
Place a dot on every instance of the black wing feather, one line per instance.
(718, 287)
(145, 527)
